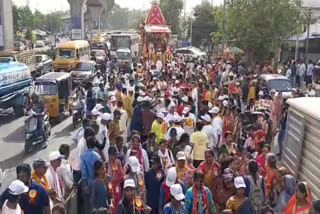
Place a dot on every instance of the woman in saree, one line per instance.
(252, 89)
(271, 172)
(289, 187)
(210, 168)
(228, 121)
(115, 173)
(301, 201)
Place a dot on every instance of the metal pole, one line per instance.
(224, 25)
(308, 36)
(297, 48)
(191, 29)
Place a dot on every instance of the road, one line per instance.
(12, 142)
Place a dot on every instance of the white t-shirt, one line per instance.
(210, 134)
(7, 210)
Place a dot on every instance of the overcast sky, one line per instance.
(46, 6)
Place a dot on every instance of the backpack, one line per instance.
(256, 197)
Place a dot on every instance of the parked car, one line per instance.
(83, 70)
(191, 52)
(44, 64)
(19, 46)
(279, 83)
(40, 44)
(99, 56)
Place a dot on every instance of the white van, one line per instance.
(301, 154)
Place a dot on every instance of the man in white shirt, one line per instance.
(52, 175)
(106, 120)
(301, 72)
(123, 122)
(208, 130)
(177, 120)
(65, 171)
(217, 125)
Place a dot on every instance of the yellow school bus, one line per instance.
(69, 53)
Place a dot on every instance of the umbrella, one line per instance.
(236, 50)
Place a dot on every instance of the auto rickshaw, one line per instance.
(55, 90)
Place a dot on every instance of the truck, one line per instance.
(302, 143)
(124, 41)
(15, 85)
(26, 57)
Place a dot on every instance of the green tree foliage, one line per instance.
(122, 18)
(171, 10)
(24, 18)
(204, 24)
(261, 26)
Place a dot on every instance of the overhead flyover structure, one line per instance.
(91, 10)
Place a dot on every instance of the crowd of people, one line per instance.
(183, 137)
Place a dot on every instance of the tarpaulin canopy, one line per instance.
(157, 29)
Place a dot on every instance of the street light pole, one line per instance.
(191, 30)
(224, 25)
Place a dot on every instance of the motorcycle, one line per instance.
(32, 135)
(77, 113)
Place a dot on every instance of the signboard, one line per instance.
(76, 34)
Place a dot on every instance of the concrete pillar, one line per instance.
(95, 17)
(6, 25)
(77, 10)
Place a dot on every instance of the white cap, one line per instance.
(177, 82)
(106, 117)
(55, 156)
(98, 107)
(185, 99)
(154, 78)
(209, 105)
(181, 156)
(186, 110)
(220, 98)
(142, 93)
(160, 115)
(147, 98)
(154, 89)
(171, 176)
(95, 112)
(177, 118)
(174, 77)
(17, 187)
(261, 93)
(171, 105)
(129, 183)
(176, 192)
(139, 99)
(206, 118)
(237, 83)
(113, 99)
(225, 103)
(273, 91)
(239, 182)
(2, 174)
(130, 89)
(111, 93)
(214, 110)
(163, 110)
(134, 164)
(200, 80)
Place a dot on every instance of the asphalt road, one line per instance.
(12, 142)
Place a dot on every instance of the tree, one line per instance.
(203, 25)
(260, 26)
(171, 10)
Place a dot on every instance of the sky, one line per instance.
(46, 6)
